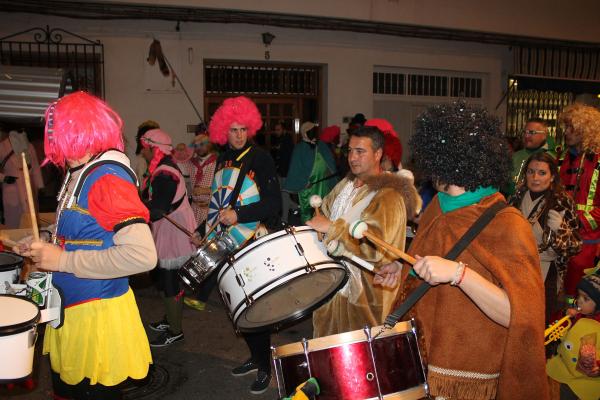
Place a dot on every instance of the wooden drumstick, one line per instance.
(315, 202)
(359, 229)
(34, 225)
(181, 228)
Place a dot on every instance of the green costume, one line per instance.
(312, 171)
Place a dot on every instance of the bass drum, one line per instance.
(278, 279)
(355, 365)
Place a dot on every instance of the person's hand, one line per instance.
(586, 362)
(554, 220)
(196, 239)
(388, 275)
(228, 217)
(319, 223)
(45, 256)
(435, 270)
(571, 312)
(22, 246)
(9, 179)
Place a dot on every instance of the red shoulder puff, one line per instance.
(113, 201)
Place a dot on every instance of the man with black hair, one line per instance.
(384, 201)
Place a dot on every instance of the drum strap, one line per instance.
(458, 248)
(246, 163)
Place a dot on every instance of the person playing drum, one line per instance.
(101, 237)
(482, 322)
(384, 201)
(234, 123)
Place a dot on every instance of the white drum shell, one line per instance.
(17, 349)
(269, 263)
(10, 268)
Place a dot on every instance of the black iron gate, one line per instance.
(82, 59)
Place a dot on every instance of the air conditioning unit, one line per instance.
(26, 92)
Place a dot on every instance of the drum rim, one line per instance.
(297, 315)
(21, 327)
(11, 266)
(328, 342)
(239, 253)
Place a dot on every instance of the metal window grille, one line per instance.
(252, 79)
(412, 84)
(81, 58)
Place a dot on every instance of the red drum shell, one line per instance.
(344, 369)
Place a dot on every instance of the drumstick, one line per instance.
(181, 228)
(315, 202)
(359, 229)
(212, 228)
(333, 249)
(34, 225)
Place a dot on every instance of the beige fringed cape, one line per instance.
(468, 355)
(360, 303)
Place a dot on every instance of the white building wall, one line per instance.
(349, 59)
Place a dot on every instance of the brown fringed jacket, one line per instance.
(360, 303)
(468, 355)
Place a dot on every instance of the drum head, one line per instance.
(18, 314)
(10, 261)
(292, 300)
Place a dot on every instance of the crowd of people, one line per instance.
(482, 322)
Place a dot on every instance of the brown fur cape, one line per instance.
(386, 216)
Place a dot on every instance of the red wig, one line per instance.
(240, 110)
(392, 148)
(383, 125)
(80, 124)
(330, 134)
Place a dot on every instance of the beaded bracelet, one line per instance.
(458, 274)
(462, 276)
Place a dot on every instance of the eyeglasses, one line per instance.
(531, 132)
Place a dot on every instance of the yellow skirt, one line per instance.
(102, 340)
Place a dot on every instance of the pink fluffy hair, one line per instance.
(240, 110)
(80, 124)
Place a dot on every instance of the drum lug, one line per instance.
(240, 280)
(307, 362)
(33, 335)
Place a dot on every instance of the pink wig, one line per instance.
(80, 124)
(161, 144)
(240, 110)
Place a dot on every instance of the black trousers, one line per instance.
(259, 344)
(83, 390)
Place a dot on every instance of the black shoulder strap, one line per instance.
(5, 160)
(458, 248)
(246, 163)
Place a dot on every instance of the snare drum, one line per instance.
(279, 278)
(353, 366)
(10, 267)
(18, 334)
(207, 258)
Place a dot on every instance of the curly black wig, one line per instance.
(457, 144)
